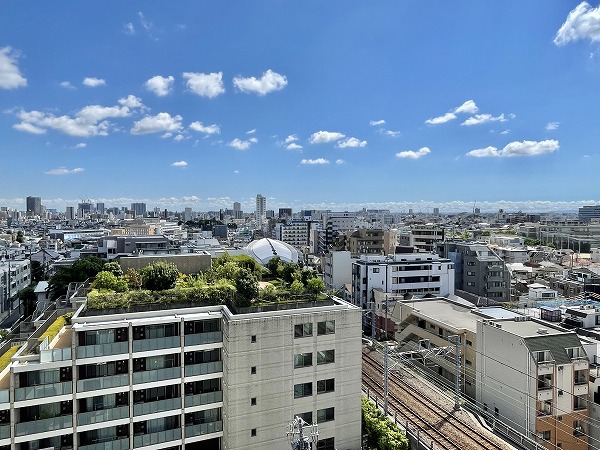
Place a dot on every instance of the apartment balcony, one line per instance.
(545, 394)
(42, 391)
(580, 363)
(203, 399)
(105, 415)
(203, 338)
(580, 389)
(203, 428)
(141, 409)
(44, 425)
(121, 443)
(92, 351)
(94, 384)
(203, 368)
(143, 345)
(148, 376)
(545, 368)
(4, 396)
(160, 437)
(4, 431)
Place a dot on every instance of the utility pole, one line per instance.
(385, 377)
(455, 339)
(295, 433)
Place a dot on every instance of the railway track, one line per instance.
(439, 427)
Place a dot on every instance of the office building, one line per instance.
(203, 377)
(139, 209)
(70, 213)
(34, 206)
(285, 213)
(261, 210)
(588, 213)
(366, 242)
(100, 208)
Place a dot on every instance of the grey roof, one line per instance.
(556, 343)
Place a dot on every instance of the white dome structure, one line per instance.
(265, 249)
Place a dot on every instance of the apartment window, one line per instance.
(327, 327)
(471, 274)
(253, 401)
(376, 270)
(545, 435)
(307, 417)
(469, 343)
(579, 402)
(326, 444)
(325, 357)
(253, 432)
(253, 370)
(253, 338)
(324, 386)
(470, 263)
(470, 283)
(325, 415)
(575, 352)
(580, 377)
(578, 428)
(303, 330)
(302, 390)
(302, 360)
(544, 382)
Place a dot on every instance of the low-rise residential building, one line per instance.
(422, 237)
(366, 242)
(337, 269)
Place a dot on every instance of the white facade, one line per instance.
(261, 210)
(337, 269)
(295, 233)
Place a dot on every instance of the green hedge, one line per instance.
(5, 359)
(53, 329)
(382, 433)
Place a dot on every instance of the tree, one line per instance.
(289, 272)
(296, 288)
(134, 279)
(273, 265)
(159, 276)
(315, 286)
(107, 280)
(246, 285)
(37, 271)
(20, 238)
(114, 268)
(29, 300)
(79, 271)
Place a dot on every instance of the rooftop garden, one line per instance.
(235, 280)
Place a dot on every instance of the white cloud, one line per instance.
(64, 171)
(351, 142)
(206, 129)
(411, 154)
(312, 162)
(205, 84)
(89, 121)
(180, 164)
(516, 148)
(145, 23)
(10, 75)
(478, 119)
(321, 137)
(67, 85)
(552, 126)
(179, 137)
(161, 86)
(29, 128)
(81, 145)
(468, 107)
(238, 144)
(162, 122)
(583, 22)
(441, 119)
(340, 161)
(167, 135)
(128, 28)
(293, 146)
(93, 82)
(291, 138)
(269, 82)
(376, 123)
(505, 131)
(131, 101)
(251, 131)
(391, 133)
(512, 116)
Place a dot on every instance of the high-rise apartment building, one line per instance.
(70, 213)
(34, 206)
(139, 209)
(261, 210)
(100, 208)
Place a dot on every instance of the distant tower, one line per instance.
(261, 209)
(100, 208)
(34, 206)
(70, 213)
(139, 209)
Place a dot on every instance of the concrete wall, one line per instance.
(187, 264)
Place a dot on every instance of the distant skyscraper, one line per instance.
(261, 209)
(70, 213)
(100, 208)
(436, 211)
(34, 206)
(187, 214)
(589, 212)
(139, 209)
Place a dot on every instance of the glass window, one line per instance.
(302, 390)
(307, 417)
(326, 444)
(325, 385)
(325, 357)
(325, 415)
(327, 327)
(303, 330)
(302, 360)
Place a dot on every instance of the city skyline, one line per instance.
(203, 105)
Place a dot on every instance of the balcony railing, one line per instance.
(4, 431)
(203, 338)
(93, 384)
(43, 390)
(203, 368)
(144, 440)
(91, 351)
(140, 409)
(143, 345)
(203, 428)
(43, 425)
(121, 443)
(149, 376)
(203, 399)
(105, 415)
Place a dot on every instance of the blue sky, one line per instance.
(338, 104)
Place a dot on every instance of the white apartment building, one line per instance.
(337, 269)
(186, 377)
(412, 274)
(296, 233)
(14, 276)
(261, 210)
(548, 393)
